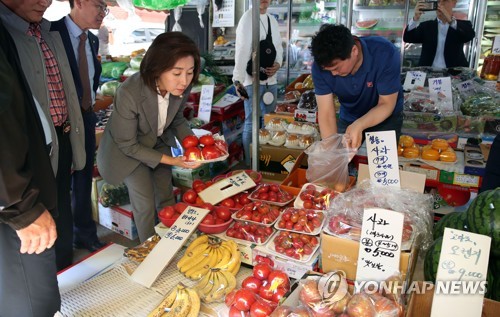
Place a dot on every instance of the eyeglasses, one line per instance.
(104, 9)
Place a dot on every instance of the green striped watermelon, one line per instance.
(431, 260)
(454, 220)
(483, 217)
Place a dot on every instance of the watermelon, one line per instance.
(483, 217)
(431, 260)
(453, 220)
(368, 24)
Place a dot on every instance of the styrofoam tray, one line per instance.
(247, 242)
(314, 233)
(270, 247)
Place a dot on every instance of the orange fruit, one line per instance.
(439, 144)
(411, 152)
(406, 141)
(430, 154)
(448, 156)
(400, 150)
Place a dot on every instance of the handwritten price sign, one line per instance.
(380, 248)
(206, 96)
(161, 255)
(383, 158)
(463, 263)
(414, 79)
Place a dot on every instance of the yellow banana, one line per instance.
(236, 268)
(166, 303)
(225, 256)
(233, 265)
(203, 267)
(196, 242)
(182, 304)
(208, 287)
(219, 286)
(203, 282)
(190, 260)
(231, 281)
(195, 303)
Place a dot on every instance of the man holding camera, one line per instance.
(442, 39)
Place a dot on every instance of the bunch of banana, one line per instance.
(215, 285)
(204, 253)
(180, 302)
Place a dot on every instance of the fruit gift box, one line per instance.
(246, 233)
(271, 194)
(293, 246)
(259, 213)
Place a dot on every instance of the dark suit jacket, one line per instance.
(427, 34)
(27, 182)
(60, 26)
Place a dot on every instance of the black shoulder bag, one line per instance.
(267, 54)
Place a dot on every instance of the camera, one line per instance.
(430, 6)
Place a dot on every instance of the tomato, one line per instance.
(264, 259)
(262, 271)
(266, 291)
(235, 312)
(228, 202)
(190, 141)
(189, 196)
(243, 299)
(210, 152)
(280, 279)
(278, 294)
(261, 309)
(223, 213)
(208, 220)
(192, 154)
(252, 283)
(207, 140)
(167, 212)
(229, 300)
(308, 204)
(180, 207)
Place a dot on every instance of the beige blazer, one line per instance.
(130, 136)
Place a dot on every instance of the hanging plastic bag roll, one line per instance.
(328, 161)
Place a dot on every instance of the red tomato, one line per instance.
(261, 309)
(210, 152)
(208, 220)
(192, 154)
(262, 271)
(229, 300)
(207, 140)
(223, 213)
(252, 283)
(267, 291)
(235, 312)
(190, 141)
(189, 196)
(228, 202)
(243, 299)
(180, 207)
(167, 212)
(280, 279)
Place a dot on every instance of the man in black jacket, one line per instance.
(84, 15)
(28, 194)
(442, 39)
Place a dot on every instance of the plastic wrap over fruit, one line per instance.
(346, 211)
(308, 101)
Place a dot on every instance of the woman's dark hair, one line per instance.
(164, 52)
(331, 42)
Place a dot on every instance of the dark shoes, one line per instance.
(92, 247)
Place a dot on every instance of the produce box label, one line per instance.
(414, 79)
(161, 255)
(206, 96)
(380, 245)
(461, 274)
(383, 158)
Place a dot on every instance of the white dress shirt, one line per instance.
(162, 113)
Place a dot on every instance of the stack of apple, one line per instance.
(315, 197)
(260, 293)
(205, 148)
(259, 212)
(271, 193)
(297, 246)
(301, 219)
(250, 232)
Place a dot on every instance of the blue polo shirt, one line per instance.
(379, 74)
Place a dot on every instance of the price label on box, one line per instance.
(161, 255)
(461, 274)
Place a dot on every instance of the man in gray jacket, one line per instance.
(48, 73)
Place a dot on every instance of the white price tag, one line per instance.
(383, 158)
(205, 108)
(461, 275)
(380, 245)
(495, 50)
(227, 187)
(161, 255)
(414, 79)
(466, 86)
(223, 16)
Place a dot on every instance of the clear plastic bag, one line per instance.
(328, 161)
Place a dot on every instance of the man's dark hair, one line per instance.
(71, 3)
(164, 52)
(331, 42)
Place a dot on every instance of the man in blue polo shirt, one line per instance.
(364, 73)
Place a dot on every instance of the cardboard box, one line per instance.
(431, 173)
(475, 163)
(186, 176)
(342, 254)
(119, 219)
(276, 162)
(302, 115)
(420, 305)
(464, 180)
(294, 269)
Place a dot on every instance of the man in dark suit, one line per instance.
(442, 39)
(28, 193)
(80, 43)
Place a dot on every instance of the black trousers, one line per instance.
(84, 226)
(28, 282)
(64, 221)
